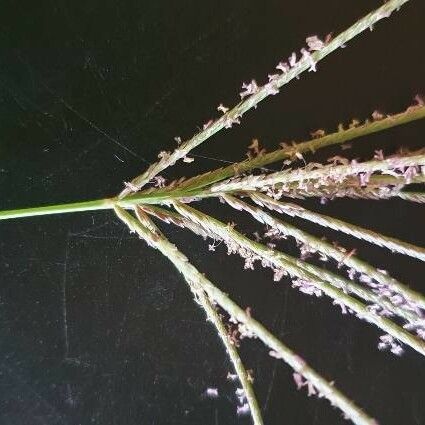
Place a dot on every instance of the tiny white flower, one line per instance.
(283, 66)
(307, 56)
(293, 60)
(159, 181)
(419, 100)
(242, 410)
(222, 108)
(314, 43)
(163, 155)
(249, 88)
(230, 121)
(376, 116)
(274, 354)
(207, 124)
(318, 133)
(397, 350)
(273, 77)
(298, 379)
(272, 89)
(211, 392)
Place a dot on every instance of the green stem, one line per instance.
(97, 204)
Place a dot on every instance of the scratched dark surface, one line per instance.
(96, 328)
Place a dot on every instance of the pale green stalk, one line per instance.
(331, 251)
(393, 244)
(301, 270)
(190, 273)
(168, 217)
(93, 205)
(169, 159)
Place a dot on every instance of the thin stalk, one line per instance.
(329, 250)
(263, 92)
(233, 355)
(299, 365)
(172, 217)
(393, 244)
(92, 205)
(301, 270)
(202, 298)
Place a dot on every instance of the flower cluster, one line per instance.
(243, 407)
(418, 328)
(272, 87)
(349, 176)
(301, 382)
(386, 290)
(249, 88)
(306, 287)
(387, 342)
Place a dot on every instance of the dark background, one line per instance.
(96, 328)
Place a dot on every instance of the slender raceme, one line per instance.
(342, 258)
(203, 300)
(393, 244)
(302, 270)
(329, 173)
(191, 274)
